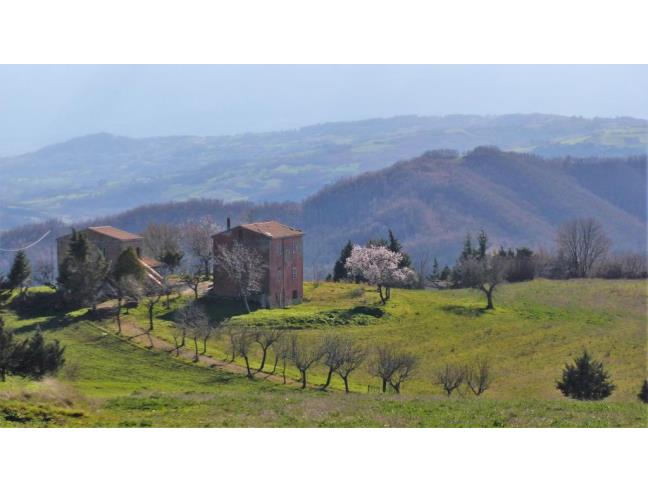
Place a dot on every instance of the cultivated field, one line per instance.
(112, 380)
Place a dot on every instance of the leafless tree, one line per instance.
(124, 289)
(194, 323)
(352, 357)
(282, 350)
(485, 274)
(582, 242)
(243, 340)
(152, 293)
(244, 267)
(478, 377)
(197, 237)
(191, 278)
(450, 377)
(332, 356)
(44, 273)
(265, 338)
(422, 262)
(160, 239)
(304, 355)
(392, 367)
(231, 331)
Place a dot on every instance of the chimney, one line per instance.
(229, 223)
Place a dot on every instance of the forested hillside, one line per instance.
(430, 202)
(106, 174)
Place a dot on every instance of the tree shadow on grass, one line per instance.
(218, 310)
(467, 311)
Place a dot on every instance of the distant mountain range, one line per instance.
(106, 174)
(430, 202)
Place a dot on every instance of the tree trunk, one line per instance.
(2, 375)
(384, 386)
(247, 366)
(328, 379)
(346, 383)
(150, 316)
(387, 293)
(263, 359)
(276, 361)
(119, 308)
(380, 293)
(204, 345)
(284, 371)
(196, 358)
(245, 303)
(303, 373)
(489, 297)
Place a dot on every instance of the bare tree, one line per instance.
(194, 322)
(44, 273)
(352, 357)
(332, 356)
(282, 350)
(243, 340)
(581, 243)
(160, 239)
(191, 278)
(485, 274)
(450, 377)
(304, 355)
(266, 338)
(392, 367)
(124, 289)
(478, 377)
(198, 241)
(244, 267)
(152, 293)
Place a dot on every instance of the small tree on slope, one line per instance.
(643, 394)
(585, 379)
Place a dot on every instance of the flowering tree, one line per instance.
(379, 266)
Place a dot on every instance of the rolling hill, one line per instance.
(106, 174)
(430, 202)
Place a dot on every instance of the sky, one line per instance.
(45, 104)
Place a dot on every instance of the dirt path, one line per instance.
(148, 339)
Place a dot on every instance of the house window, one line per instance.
(294, 273)
(295, 294)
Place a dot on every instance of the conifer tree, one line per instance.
(394, 245)
(585, 379)
(128, 265)
(643, 394)
(339, 270)
(20, 272)
(468, 251)
(482, 241)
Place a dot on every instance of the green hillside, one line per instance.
(536, 328)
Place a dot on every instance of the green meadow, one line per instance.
(537, 327)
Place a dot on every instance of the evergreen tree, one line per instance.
(435, 270)
(585, 379)
(468, 251)
(20, 272)
(643, 394)
(38, 358)
(394, 245)
(339, 270)
(82, 273)
(482, 241)
(171, 259)
(128, 265)
(7, 351)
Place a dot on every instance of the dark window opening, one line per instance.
(295, 294)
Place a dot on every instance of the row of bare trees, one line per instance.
(476, 376)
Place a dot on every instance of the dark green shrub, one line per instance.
(585, 379)
(643, 394)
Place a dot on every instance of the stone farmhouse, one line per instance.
(111, 242)
(281, 248)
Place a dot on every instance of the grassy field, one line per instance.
(535, 328)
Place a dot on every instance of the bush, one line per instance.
(586, 379)
(643, 394)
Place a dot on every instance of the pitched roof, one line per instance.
(114, 233)
(272, 229)
(151, 262)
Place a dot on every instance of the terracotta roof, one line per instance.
(272, 229)
(114, 233)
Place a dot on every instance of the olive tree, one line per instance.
(304, 355)
(392, 366)
(266, 338)
(450, 377)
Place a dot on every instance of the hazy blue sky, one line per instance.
(46, 104)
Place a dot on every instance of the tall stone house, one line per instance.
(111, 242)
(281, 248)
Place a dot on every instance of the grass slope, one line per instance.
(536, 328)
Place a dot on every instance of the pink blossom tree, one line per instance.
(379, 266)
